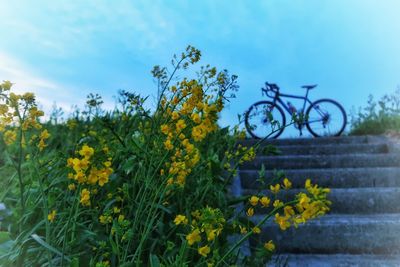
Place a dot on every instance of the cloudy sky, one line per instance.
(63, 50)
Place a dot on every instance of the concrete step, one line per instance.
(355, 234)
(332, 178)
(351, 200)
(325, 161)
(318, 141)
(331, 149)
(334, 260)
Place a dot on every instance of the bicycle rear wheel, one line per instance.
(326, 117)
(264, 119)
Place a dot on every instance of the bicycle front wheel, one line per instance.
(326, 117)
(264, 119)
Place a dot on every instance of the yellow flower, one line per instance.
(104, 219)
(265, 201)
(277, 203)
(307, 184)
(288, 210)
(86, 151)
(10, 137)
(243, 230)
(103, 176)
(198, 134)
(196, 214)
(254, 200)
(71, 187)
(180, 125)
(6, 85)
(282, 221)
(107, 163)
(204, 251)
(304, 200)
(117, 210)
(182, 136)
(195, 118)
(28, 97)
(51, 216)
(85, 197)
(121, 218)
(211, 235)
(256, 230)
(80, 177)
(286, 183)
(44, 134)
(168, 144)
(275, 189)
(175, 115)
(250, 212)
(180, 219)
(193, 237)
(269, 246)
(165, 129)
(41, 145)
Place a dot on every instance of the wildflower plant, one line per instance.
(138, 186)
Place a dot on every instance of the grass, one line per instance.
(377, 117)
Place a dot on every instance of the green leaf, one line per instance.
(161, 207)
(48, 246)
(154, 261)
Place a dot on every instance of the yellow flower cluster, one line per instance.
(206, 224)
(17, 112)
(85, 197)
(269, 246)
(180, 219)
(85, 172)
(189, 117)
(240, 154)
(264, 201)
(309, 206)
(43, 136)
(10, 136)
(105, 219)
(31, 119)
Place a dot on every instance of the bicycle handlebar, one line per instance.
(270, 87)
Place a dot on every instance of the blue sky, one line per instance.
(62, 50)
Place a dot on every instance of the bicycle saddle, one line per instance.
(309, 86)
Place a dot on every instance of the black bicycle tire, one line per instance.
(344, 123)
(248, 128)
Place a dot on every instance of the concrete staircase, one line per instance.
(363, 227)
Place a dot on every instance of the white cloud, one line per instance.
(25, 79)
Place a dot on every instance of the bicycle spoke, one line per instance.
(326, 118)
(263, 118)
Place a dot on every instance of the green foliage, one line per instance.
(378, 117)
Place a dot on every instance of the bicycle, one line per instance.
(262, 118)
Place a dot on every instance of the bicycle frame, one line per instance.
(278, 95)
(277, 98)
